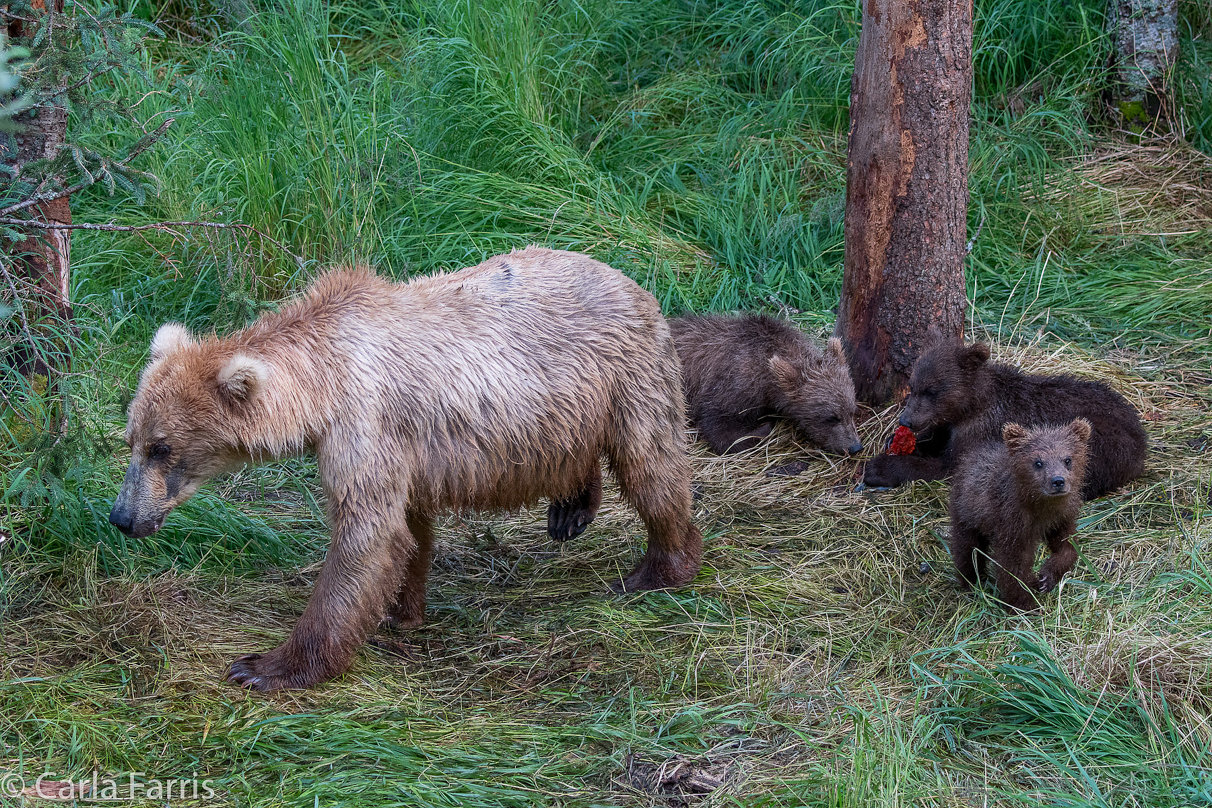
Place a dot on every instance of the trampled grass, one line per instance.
(825, 655)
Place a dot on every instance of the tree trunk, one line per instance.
(44, 258)
(906, 189)
(1145, 33)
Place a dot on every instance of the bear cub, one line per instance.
(739, 373)
(1008, 497)
(963, 400)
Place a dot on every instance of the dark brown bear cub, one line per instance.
(955, 392)
(1009, 497)
(741, 372)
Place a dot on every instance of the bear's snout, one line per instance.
(122, 519)
(1059, 484)
(855, 447)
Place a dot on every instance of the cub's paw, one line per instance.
(1047, 580)
(270, 671)
(879, 472)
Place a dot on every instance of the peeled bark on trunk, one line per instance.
(1145, 33)
(44, 258)
(906, 189)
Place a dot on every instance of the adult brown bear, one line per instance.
(487, 388)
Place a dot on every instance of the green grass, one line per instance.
(824, 657)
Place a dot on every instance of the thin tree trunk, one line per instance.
(906, 188)
(44, 258)
(1145, 33)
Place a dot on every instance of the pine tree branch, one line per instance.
(166, 227)
(51, 196)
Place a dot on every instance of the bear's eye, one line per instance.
(1068, 462)
(1039, 464)
(158, 452)
(833, 420)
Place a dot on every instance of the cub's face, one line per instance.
(1050, 461)
(940, 384)
(179, 432)
(820, 400)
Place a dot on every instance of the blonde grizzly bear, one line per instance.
(487, 388)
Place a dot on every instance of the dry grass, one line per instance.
(1130, 189)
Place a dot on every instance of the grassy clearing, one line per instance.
(825, 656)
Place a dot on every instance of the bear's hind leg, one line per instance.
(726, 435)
(408, 611)
(965, 541)
(360, 577)
(568, 518)
(1058, 565)
(1014, 568)
(654, 475)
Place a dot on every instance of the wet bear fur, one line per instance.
(484, 389)
(1010, 496)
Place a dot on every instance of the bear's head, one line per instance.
(941, 384)
(1050, 461)
(819, 396)
(182, 425)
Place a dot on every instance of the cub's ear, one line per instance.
(169, 338)
(1081, 429)
(1014, 436)
(785, 373)
(974, 356)
(834, 349)
(242, 378)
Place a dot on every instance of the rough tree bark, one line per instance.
(1145, 33)
(906, 188)
(45, 256)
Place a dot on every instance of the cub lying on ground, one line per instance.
(487, 388)
(1008, 497)
(740, 373)
(956, 392)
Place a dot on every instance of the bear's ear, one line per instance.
(1081, 429)
(834, 349)
(785, 373)
(169, 338)
(242, 378)
(1014, 436)
(974, 356)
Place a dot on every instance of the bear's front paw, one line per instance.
(271, 671)
(879, 473)
(1047, 580)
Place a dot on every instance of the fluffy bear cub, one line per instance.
(957, 394)
(485, 389)
(1008, 497)
(740, 373)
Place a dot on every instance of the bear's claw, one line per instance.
(267, 672)
(568, 518)
(242, 672)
